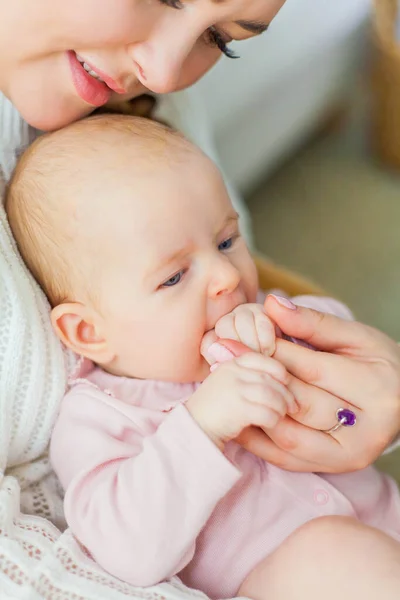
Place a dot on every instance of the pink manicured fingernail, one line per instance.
(284, 302)
(219, 353)
(213, 367)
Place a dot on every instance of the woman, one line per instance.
(58, 62)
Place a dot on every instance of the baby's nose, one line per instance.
(225, 279)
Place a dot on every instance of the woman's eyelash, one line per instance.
(172, 3)
(214, 38)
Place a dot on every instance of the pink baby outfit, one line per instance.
(150, 496)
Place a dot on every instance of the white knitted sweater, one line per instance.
(37, 560)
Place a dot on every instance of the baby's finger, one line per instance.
(267, 391)
(265, 333)
(225, 327)
(241, 327)
(245, 325)
(264, 364)
(209, 340)
(288, 397)
(271, 397)
(262, 416)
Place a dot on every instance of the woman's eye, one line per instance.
(174, 280)
(215, 38)
(225, 245)
(172, 3)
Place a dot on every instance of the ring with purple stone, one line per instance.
(345, 418)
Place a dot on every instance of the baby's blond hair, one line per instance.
(55, 168)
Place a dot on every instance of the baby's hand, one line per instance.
(248, 390)
(248, 324)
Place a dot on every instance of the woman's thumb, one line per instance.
(321, 330)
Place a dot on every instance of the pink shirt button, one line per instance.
(321, 497)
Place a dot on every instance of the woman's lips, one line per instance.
(111, 83)
(91, 90)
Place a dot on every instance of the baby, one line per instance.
(129, 230)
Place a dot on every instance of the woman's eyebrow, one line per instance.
(256, 27)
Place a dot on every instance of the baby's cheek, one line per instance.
(249, 278)
(188, 368)
(194, 366)
(177, 350)
(252, 287)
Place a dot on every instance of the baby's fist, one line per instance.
(248, 324)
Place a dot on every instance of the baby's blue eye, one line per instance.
(225, 245)
(173, 280)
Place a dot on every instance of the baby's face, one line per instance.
(170, 262)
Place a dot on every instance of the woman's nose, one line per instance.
(158, 60)
(225, 278)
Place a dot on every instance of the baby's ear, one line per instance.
(79, 329)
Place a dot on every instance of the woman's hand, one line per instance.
(357, 367)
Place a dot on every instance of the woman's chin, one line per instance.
(53, 120)
(51, 117)
(56, 117)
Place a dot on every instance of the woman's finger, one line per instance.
(316, 408)
(318, 411)
(293, 447)
(256, 441)
(377, 423)
(265, 333)
(347, 449)
(372, 386)
(307, 444)
(321, 330)
(338, 375)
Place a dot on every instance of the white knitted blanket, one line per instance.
(36, 560)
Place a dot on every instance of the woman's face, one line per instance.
(132, 45)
